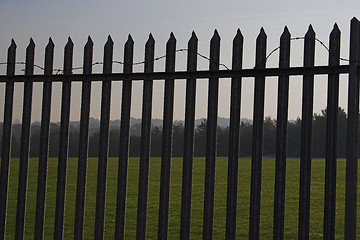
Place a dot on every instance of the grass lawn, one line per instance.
(291, 212)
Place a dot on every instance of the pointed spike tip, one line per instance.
(13, 43)
(90, 41)
(262, 31)
(109, 40)
(286, 29)
(51, 43)
(172, 36)
(151, 37)
(216, 34)
(32, 43)
(150, 40)
(354, 19)
(172, 39)
(89, 44)
(193, 35)
(310, 31)
(239, 34)
(69, 42)
(130, 39)
(286, 32)
(336, 27)
(262, 34)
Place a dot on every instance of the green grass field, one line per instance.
(291, 212)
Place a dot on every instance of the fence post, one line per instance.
(6, 138)
(167, 141)
(145, 140)
(352, 146)
(188, 140)
(281, 137)
(25, 143)
(64, 143)
(234, 138)
(83, 143)
(257, 141)
(103, 143)
(332, 113)
(44, 143)
(211, 135)
(124, 141)
(306, 136)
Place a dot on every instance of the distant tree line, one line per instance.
(269, 139)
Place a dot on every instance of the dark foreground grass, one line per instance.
(291, 212)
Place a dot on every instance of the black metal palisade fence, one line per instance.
(260, 72)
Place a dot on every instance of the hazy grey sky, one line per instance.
(42, 19)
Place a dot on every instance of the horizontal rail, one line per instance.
(268, 72)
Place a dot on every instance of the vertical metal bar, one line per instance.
(6, 138)
(211, 136)
(331, 137)
(352, 147)
(188, 139)
(167, 140)
(257, 142)
(83, 143)
(103, 142)
(234, 138)
(64, 143)
(124, 141)
(44, 143)
(281, 137)
(306, 136)
(25, 143)
(145, 140)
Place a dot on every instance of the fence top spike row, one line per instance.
(310, 34)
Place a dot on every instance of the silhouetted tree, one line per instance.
(222, 141)
(200, 139)
(54, 140)
(178, 139)
(94, 145)
(245, 139)
(35, 144)
(294, 138)
(114, 142)
(156, 142)
(269, 145)
(134, 150)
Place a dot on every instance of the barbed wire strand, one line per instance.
(60, 71)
